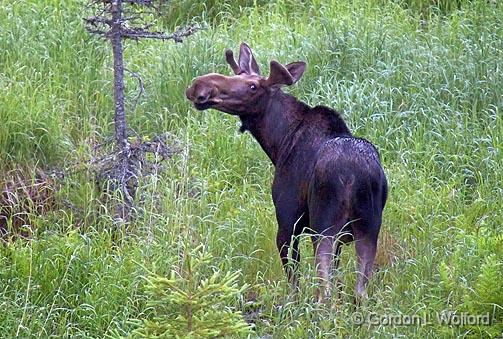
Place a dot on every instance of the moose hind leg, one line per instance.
(335, 266)
(324, 255)
(366, 234)
(327, 223)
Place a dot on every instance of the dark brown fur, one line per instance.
(326, 181)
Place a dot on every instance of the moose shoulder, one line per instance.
(327, 182)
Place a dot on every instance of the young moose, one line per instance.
(326, 181)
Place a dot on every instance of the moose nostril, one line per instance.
(202, 98)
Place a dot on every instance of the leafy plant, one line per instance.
(473, 282)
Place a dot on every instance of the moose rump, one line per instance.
(346, 197)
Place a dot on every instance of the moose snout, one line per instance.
(199, 94)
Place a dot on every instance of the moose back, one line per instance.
(327, 182)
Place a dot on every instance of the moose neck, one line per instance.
(272, 127)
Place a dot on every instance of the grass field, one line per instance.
(424, 84)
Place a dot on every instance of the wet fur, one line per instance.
(327, 182)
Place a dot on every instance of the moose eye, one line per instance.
(253, 87)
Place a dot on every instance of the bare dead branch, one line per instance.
(140, 2)
(132, 2)
(105, 142)
(177, 36)
(96, 20)
(96, 31)
(141, 88)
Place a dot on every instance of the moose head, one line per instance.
(247, 92)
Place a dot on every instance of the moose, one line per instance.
(327, 182)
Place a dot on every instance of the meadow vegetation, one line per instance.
(424, 83)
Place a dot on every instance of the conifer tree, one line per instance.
(191, 303)
(119, 20)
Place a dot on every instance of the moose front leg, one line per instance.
(291, 222)
(286, 241)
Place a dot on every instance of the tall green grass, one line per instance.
(426, 89)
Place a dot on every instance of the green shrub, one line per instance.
(192, 304)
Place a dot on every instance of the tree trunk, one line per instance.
(116, 39)
(126, 182)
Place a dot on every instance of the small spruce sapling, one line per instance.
(192, 303)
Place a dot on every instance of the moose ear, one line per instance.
(229, 56)
(279, 75)
(247, 62)
(296, 69)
